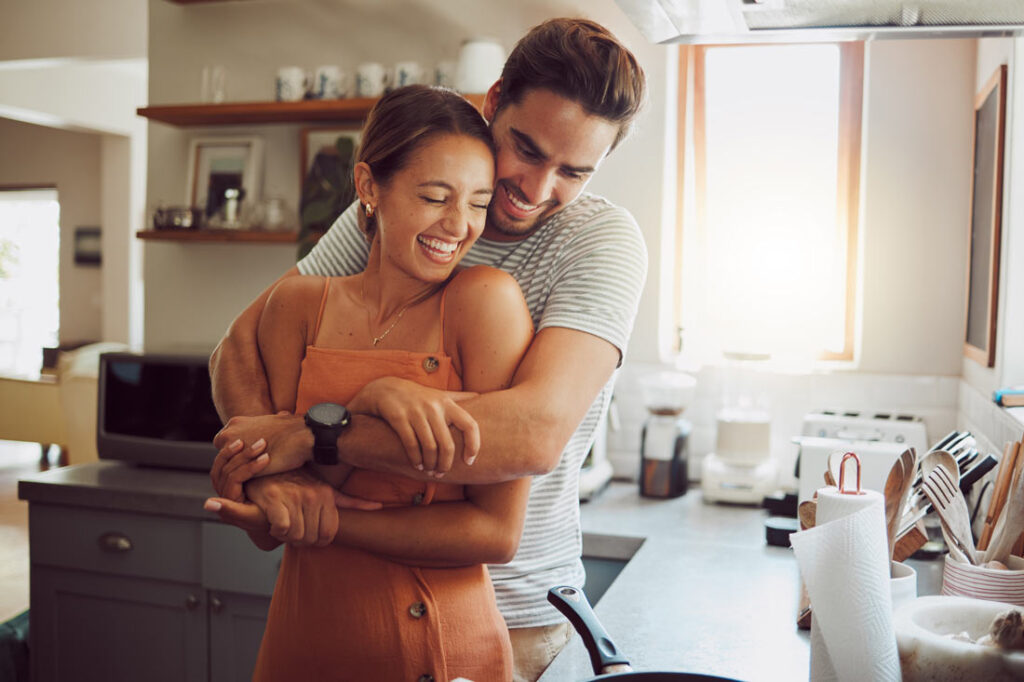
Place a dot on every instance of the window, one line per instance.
(769, 163)
(29, 278)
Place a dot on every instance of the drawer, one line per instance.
(232, 563)
(114, 542)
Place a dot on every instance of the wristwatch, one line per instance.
(327, 421)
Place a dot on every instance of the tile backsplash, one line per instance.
(787, 397)
(992, 425)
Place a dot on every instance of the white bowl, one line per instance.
(927, 653)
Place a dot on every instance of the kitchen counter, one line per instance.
(122, 487)
(703, 594)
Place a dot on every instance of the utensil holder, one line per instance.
(962, 579)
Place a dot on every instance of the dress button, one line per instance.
(426, 678)
(418, 609)
(417, 499)
(431, 364)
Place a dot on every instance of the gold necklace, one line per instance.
(378, 339)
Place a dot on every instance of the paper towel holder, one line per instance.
(842, 474)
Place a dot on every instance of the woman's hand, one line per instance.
(258, 446)
(421, 417)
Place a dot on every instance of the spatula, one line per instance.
(940, 485)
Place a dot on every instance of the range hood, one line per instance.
(749, 21)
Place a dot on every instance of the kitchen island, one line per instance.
(704, 593)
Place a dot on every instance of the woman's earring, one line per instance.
(369, 210)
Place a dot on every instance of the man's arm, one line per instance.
(237, 375)
(523, 429)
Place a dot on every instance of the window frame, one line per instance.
(691, 67)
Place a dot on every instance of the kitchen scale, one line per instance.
(741, 469)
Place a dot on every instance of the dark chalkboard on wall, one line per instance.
(986, 213)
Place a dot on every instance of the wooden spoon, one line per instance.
(1011, 523)
(897, 489)
(808, 512)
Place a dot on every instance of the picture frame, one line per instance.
(87, 246)
(327, 158)
(984, 235)
(218, 163)
(324, 141)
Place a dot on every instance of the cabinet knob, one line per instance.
(191, 602)
(216, 605)
(115, 542)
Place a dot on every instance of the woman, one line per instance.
(424, 178)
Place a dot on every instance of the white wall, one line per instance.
(71, 161)
(916, 178)
(45, 29)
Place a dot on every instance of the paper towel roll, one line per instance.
(844, 562)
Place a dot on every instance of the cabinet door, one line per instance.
(236, 629)
(87, 626)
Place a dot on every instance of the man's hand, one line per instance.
(298, 507)
(278, 442)
(421, 417)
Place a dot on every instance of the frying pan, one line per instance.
(604, 655)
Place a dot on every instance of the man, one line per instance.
(567, 96)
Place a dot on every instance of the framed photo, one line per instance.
(217, 164)
(328, 156)
(986, 218)
(87, 246)
(340, 143)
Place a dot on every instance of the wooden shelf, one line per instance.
(234, 236)
(240, 113)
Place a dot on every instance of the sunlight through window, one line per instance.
(29, 278)
(771, 239)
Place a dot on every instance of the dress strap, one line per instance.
(440, 342)
(320, 314)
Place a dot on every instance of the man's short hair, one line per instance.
(579, 60)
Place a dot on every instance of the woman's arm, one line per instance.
(487, 331)
(282, 336)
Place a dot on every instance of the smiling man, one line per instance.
(567, 96)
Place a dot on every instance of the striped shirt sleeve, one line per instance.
(342, 250)
(599, 279)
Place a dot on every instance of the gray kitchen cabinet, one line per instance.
(121, 595)
(88, 626)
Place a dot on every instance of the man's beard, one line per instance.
(499, 222)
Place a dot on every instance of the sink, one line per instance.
(604, 557)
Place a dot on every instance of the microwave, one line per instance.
(156, 410)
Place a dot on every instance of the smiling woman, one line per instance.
(405, 324)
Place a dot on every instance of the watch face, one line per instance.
(329, 414)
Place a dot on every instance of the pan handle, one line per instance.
(574, 606)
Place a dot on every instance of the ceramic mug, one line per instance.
(371, 78)
(480, 63)
(292, 83)
(328, 83)
(407, 73)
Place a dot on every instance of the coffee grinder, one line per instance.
(663, 441)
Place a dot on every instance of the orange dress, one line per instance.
(344, 614)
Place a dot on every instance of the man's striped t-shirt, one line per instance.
(582, 269)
